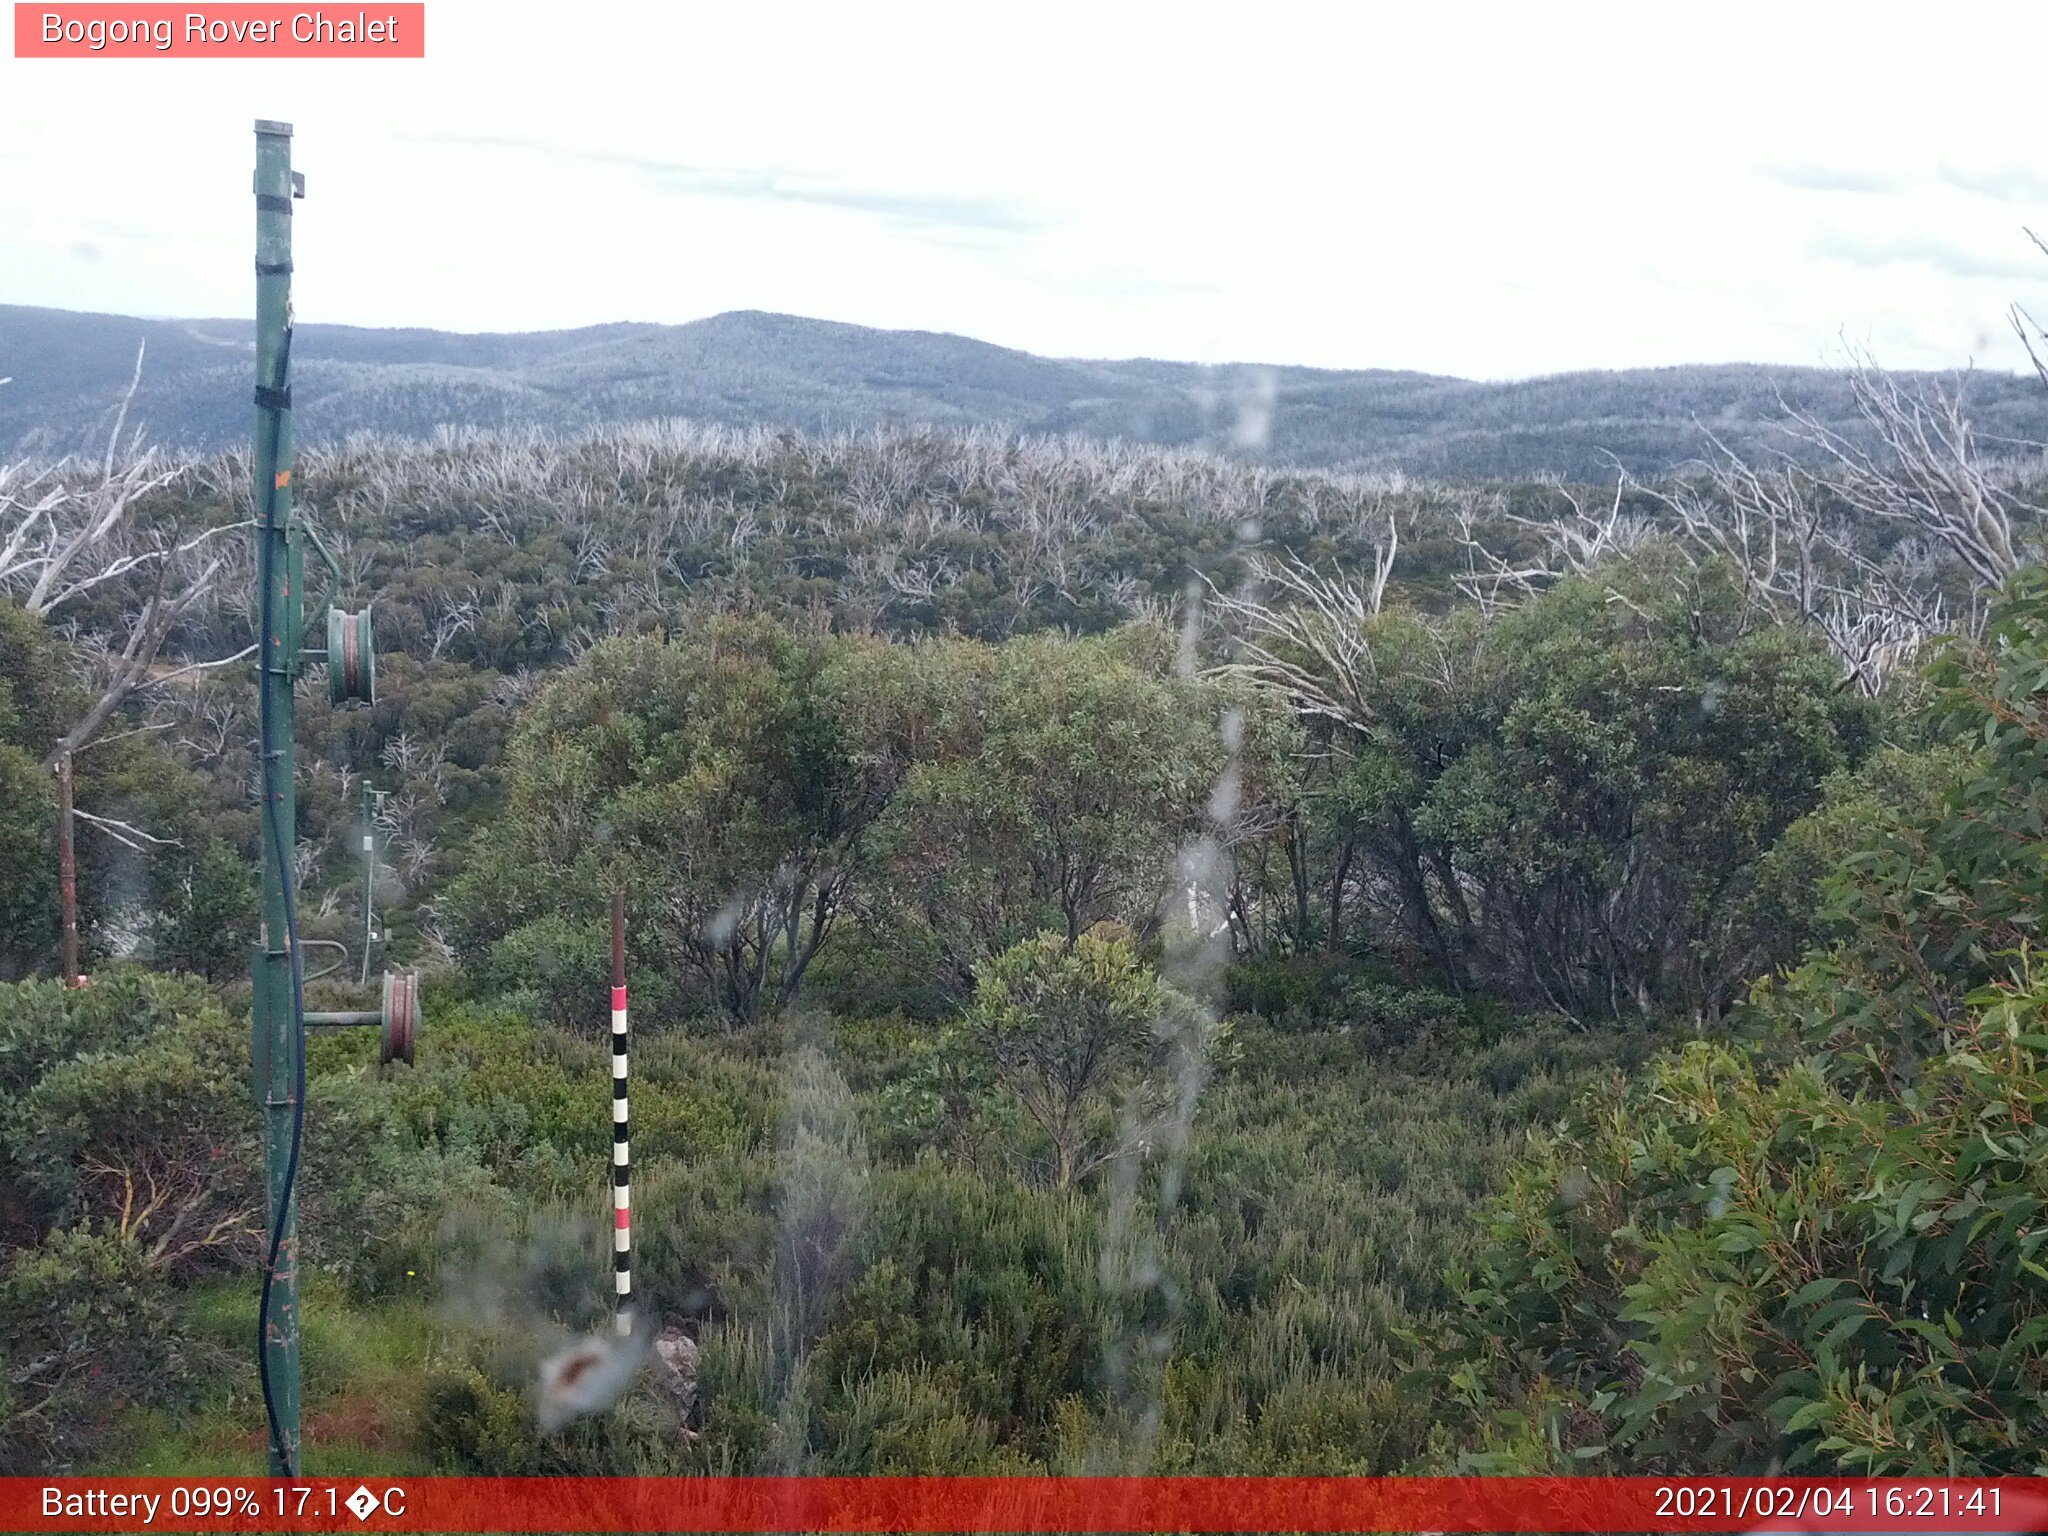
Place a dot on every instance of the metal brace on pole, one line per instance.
(373, 802)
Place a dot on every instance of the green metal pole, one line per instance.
(276, 1028)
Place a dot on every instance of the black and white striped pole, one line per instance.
(622, 1159)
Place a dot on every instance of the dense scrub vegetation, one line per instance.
(1819, 1244)
(1105, 930)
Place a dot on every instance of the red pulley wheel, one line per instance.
(351, 657)
(401, 1016)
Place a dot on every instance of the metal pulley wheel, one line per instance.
(351, 657)
(401, 1016)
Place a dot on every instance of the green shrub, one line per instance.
(470, 1424)
(531, 1104)
(1742, 1267)
(1077, 1033)
(371, 1192)
(28, 897)
(127, 1104)
(993, 1287)
(1820, 1249)
(1296, 989)
(43, 1023)
(907, 1423)
(208, 928)
(1387, 1017)
(91, 1329)
(558, 967)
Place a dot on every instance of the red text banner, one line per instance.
(1023, 1504)
(375, 31)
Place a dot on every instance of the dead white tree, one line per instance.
(1310, 639)
(2024, 325)
(1805, 532)
(1791, 540)
(68, 532)
(1569, 545)
(922, 580)
(1926, 473)
(452, 617)
(1803, 538)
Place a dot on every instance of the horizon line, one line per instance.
(1250, 365)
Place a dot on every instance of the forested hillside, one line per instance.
(746, 369)
(1141, 961)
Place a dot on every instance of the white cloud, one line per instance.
(1482, 190)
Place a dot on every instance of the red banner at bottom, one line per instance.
(1023, 1504)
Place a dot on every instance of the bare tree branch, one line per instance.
(125, 833)
(1315, 645)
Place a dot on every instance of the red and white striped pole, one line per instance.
(622, 1163)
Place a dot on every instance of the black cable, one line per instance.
(291, 928)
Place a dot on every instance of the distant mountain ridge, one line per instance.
(749, 367)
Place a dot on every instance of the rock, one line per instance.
(675, 1372)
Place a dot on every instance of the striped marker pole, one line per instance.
(622, 1163)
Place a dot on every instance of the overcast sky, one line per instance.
(1491, 191)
